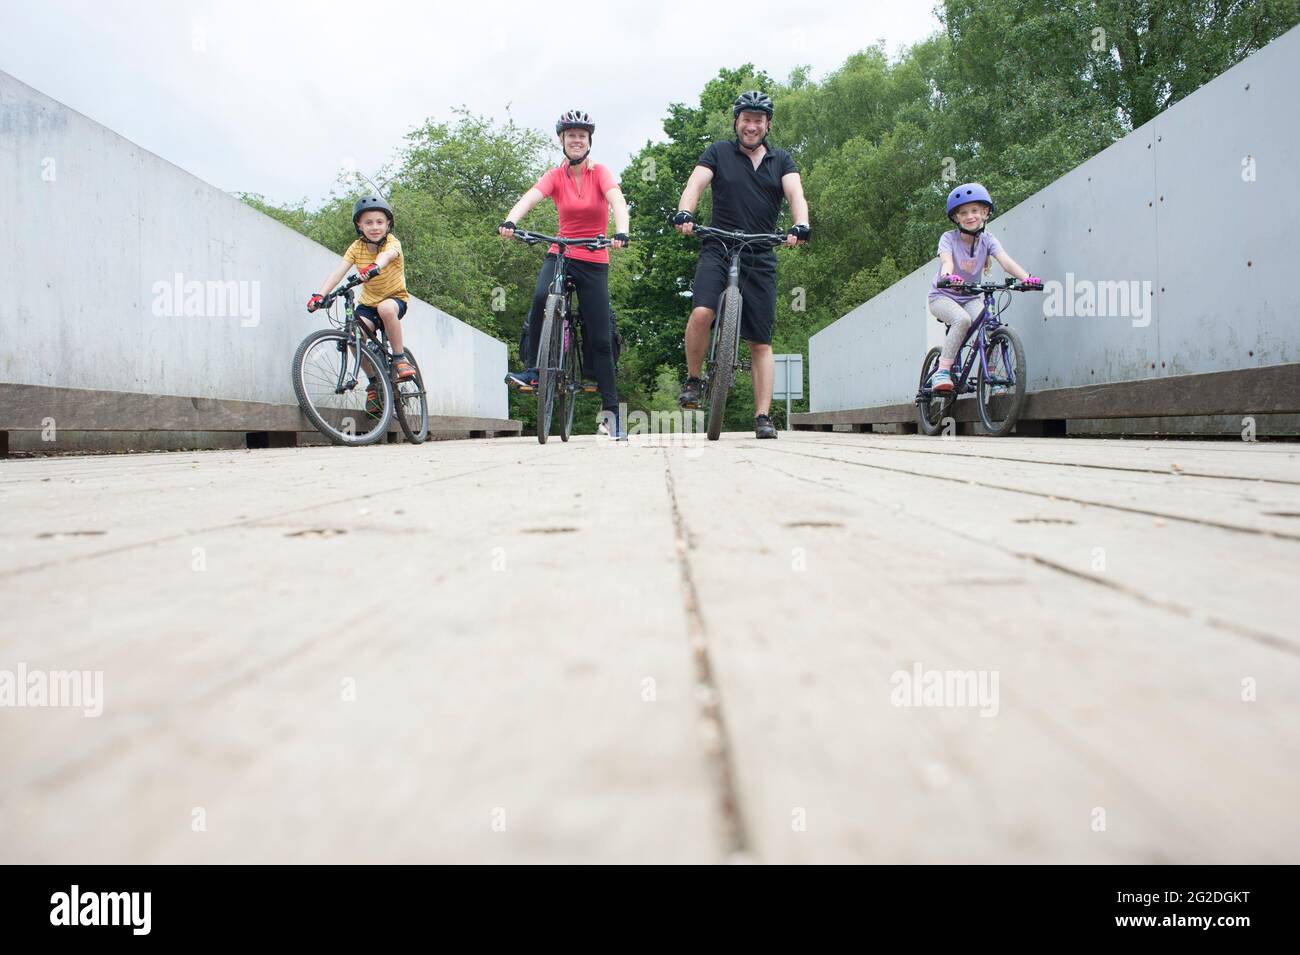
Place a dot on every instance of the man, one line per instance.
(749, 180)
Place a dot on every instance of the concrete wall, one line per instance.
(96, 231)
(1172, 205)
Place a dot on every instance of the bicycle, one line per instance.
(724, 341)
(999, 383)
(559, 346)
(325, 373)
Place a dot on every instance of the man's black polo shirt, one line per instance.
(746, 199)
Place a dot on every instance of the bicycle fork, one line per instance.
(347, 382)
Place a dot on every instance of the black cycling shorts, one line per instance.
(757, 290)
(372, 312)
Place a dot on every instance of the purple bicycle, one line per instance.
(990, 363)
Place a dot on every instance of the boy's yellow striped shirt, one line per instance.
(391, 280)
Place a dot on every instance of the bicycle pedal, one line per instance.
(590, 389)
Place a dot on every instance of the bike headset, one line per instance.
(969, 192)
(575, 119)
(368, 204)
(755, 101)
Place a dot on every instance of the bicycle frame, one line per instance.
(979, 331)
(984, 325)
(735, 242)
(560, 286)
(361, 336)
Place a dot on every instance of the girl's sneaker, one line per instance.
(942, 381)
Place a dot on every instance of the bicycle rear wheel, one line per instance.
(411, 404)
(722, 368)
(335, 406)
(548, 366)
(1001, 392)
(931, 411)
(567, 387)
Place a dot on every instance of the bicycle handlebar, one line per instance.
(352, 282)
(595, 243)
(743, 238)
(1010, 285)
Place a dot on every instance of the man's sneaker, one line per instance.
(942, 380)
(525, 380)
(692, 392)
(373, 407)
(403, 370)
(763, 427)
(611, 426)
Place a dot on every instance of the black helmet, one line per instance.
(754, 101)
(574, 119)
(366, 204)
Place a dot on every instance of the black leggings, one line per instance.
(591, 279)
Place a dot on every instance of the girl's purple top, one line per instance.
(968, 266)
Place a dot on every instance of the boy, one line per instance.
(377, 255)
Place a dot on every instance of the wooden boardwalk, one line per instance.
(830, 647)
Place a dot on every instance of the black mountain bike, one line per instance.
(724, 346)
(559, 351)
(326, 378)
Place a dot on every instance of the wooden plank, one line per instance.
(26, 407)
(1240, 460)
(420, 575)
(1245, 506)
(1274, 389)
(1107, 702)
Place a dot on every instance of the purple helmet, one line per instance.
(969, 192)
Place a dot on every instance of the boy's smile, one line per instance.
(373, 226)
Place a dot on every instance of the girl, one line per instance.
(964, 253)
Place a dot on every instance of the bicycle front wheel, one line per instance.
(722, 368)
(338, 407)
(548, 365)
(412, 404)
(1001, 389)
(568, 386)
(931, 410)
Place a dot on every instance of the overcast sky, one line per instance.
(277, 96)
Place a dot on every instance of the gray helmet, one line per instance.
(574, 119)
(755, 101)
(366, 204)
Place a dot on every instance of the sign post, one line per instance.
(788, 381)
